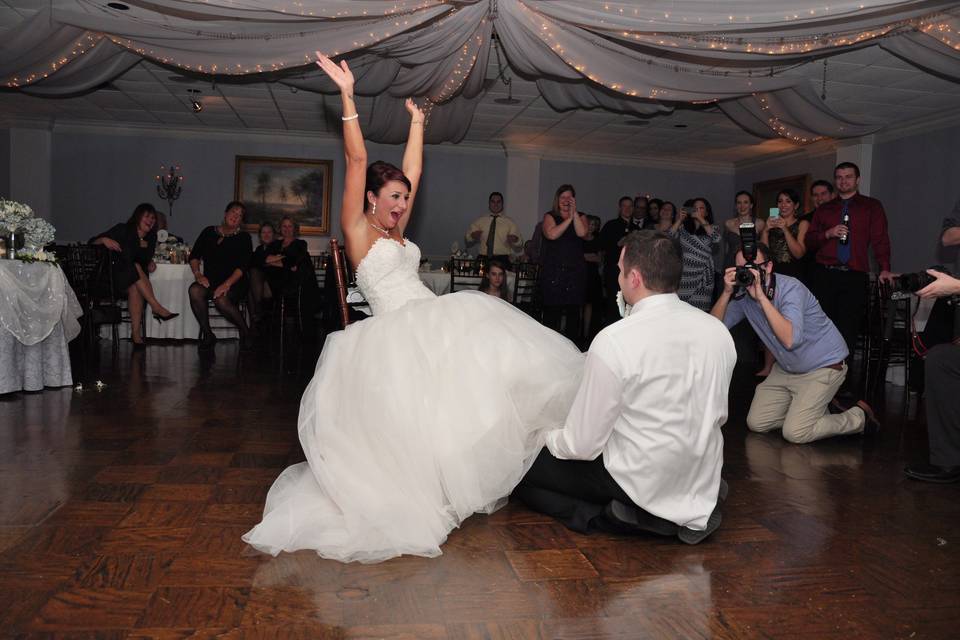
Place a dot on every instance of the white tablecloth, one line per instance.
(170, 284)
(38, 317)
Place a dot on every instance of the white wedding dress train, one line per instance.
(416, 418)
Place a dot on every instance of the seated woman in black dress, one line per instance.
(132, 244)
(225, 251)
(259, 289)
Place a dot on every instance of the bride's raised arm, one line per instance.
(354, 149)
(412, 158)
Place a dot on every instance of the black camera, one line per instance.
(744, 276)
(913, 282)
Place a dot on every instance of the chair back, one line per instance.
(467, 273)
(88, 270)
(526, 287)
(339, 261)
(320, 263)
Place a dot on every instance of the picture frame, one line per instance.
(271, 188)
(765, 193)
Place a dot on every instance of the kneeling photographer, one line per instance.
(808, 349)
(942, 372)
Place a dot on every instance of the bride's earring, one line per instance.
(373, 211)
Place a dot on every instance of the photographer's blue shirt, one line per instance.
(816, 341)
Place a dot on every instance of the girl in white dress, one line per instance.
(424, 414)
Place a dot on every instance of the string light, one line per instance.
(777, 126)
(82, 46)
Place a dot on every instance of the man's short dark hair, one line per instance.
(847, 165)
(763, 252)
(656, 256)
(822, 183)
(495, 193)
(622, 198)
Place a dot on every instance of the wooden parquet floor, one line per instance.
(121, 512)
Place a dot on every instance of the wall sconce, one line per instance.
(195, 103)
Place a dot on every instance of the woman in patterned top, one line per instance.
(697, 234)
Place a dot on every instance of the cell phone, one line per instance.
(774, 212)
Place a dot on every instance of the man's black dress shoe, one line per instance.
(932, 473)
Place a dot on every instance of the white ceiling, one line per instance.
(868, 85)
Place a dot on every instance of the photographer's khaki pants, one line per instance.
(797, 402)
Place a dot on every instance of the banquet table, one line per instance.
(170, 284)
(38, 317)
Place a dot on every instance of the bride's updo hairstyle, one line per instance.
(380, 173)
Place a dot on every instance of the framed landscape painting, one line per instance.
(271, 188)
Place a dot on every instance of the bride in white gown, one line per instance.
(424, 414)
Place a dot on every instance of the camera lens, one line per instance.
(743, 277)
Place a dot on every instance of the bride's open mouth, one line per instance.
(395, 216)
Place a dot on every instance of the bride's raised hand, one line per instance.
(341, 75)
(416, 114)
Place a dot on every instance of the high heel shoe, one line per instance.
(159, 318)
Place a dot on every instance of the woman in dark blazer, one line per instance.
(131, 245)
(290, 271)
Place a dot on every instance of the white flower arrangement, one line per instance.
(38, 232)
(36, 255)
(17, 218)
(13, 214)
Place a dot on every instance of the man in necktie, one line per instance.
(496, 234)
(842, 274)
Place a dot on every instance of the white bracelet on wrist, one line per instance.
(353, 117)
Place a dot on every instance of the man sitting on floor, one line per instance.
(641, 450)
(809, 353)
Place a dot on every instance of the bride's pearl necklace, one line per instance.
(378, 228)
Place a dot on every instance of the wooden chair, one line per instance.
(320, 263)
(467, 273)
(526, 288)
(344, 305)
(89, 271)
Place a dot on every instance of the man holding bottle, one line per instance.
(841, 233)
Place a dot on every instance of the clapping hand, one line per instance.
(110, 244)
(341, 75)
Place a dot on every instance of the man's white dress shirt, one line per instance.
(652, 400)
(505, 227)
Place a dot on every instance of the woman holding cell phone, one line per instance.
(785, 233)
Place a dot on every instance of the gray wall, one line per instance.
(819, 166)
(4, 163)
(916, 178)
(600, 186)
(98, 179)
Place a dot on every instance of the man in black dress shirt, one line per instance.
(610, 236)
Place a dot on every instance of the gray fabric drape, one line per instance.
(639, 58)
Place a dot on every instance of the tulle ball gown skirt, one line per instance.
(414, 420)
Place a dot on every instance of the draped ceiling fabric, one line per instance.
(641, 58)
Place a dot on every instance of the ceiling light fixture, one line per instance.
(195, 103)
(119, 6)
(501, 74)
